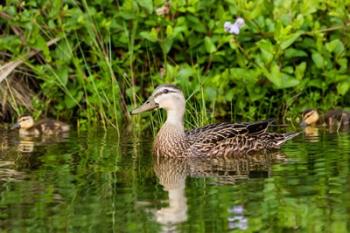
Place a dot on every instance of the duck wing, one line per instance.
(214, 133)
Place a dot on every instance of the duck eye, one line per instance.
(165, 91)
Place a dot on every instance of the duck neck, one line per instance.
(171, 138)
(175, 118)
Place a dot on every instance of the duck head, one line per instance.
(309, 117)
(168, 97)
(24, 122)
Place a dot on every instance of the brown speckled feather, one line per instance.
(226, 139)
(220, 139)
(221, 131)
(238, 144)
(51, 127)
(337, 116)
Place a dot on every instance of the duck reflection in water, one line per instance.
(172, 173)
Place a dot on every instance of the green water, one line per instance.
(93, 182)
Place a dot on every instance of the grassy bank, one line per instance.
(92, 61)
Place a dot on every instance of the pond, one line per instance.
(98, 182)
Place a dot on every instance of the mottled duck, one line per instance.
(220, 139)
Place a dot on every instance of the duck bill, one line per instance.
(149, 105)
(303, 124)
(15, 126)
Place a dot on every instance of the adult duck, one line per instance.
(221, 139)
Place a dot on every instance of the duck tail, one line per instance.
(286, 137)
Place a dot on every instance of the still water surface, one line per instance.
(93, 182)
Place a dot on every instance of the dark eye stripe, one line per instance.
(163, 92)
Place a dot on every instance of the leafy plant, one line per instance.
(289, 56)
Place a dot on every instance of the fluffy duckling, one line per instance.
(336, 117)
(27, 127)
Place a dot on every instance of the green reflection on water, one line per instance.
(93, 182)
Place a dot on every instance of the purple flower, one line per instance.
(235, 27)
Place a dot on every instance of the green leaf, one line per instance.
(290, 40)
(291, 52)
(62, 73)
(40, 44)
(287, 81)
(185, 72)
(171, 71)
(70, 101)
(275, 75)
(318, 59)
(151, 36)
(209, 45)
(299, 70)
(280, 79)
(147, 4)
(196, 24)
(343, 87)
(211, 93)
(267, 50)
(9, 42)
(166, 45)
(246, 75)
(335, 46)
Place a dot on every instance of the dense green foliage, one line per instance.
(290, 55)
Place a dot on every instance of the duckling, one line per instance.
(335, 117)
(221, 139)
(27, 127)
(310, 117)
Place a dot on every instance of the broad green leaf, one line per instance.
(291, 52)
(290, 40)
(210, 92)
(169, 31)
(343, 87)
(40, 44)
(299, 70)
(250, 75)
(166, 45)
(209, 45)
(147, 4)
(343, 62)
(335, 46)
(185, 72)
(308, 7)
(151, 36)
(267, 50)
(9, 42)
(171, 71)
(62, 74)
(315, 83)
(196, 24)
(62, 52)
(318, 59)
(288, 81)
(70, 101)
(280, 79)
(275, 75)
